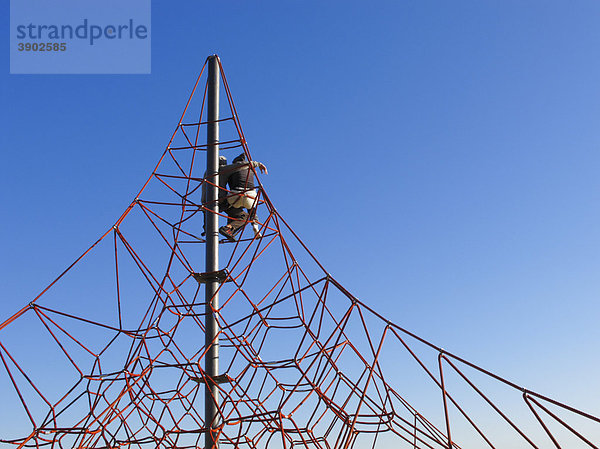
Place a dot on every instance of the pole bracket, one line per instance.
(220, 379)
(212, 276)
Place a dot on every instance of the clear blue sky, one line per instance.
(441, 158)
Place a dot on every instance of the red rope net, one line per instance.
(110, 355)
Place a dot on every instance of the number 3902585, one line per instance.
(62, 46)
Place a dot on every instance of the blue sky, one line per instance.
(440, 158)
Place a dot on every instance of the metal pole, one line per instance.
(212, 255)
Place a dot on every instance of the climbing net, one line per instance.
(111, 354)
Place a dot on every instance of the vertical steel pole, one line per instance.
(212, 255)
